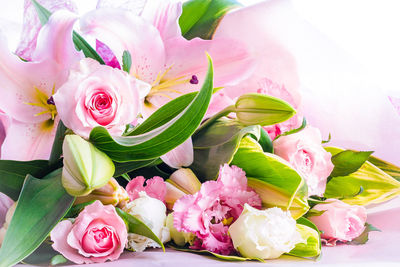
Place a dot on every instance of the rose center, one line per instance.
(98, 240)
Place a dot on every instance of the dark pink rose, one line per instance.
(98, 234)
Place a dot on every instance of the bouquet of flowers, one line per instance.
(153, 124)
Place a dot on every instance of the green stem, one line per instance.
(220, 114)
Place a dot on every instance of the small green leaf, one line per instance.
(302, 126)
(41, 205)
(312, 246)
(377, 185)
(13, 174)
(313, 213)
(157, 142)
(348, 161)
(363, 238)
(58, 259)
(387, 167)
(265, 142)
(216, 145)
(126, 61)
(200, 18)
(79, 42)
(327, 141)
(219, 256)
(275, 181)
(136, 226)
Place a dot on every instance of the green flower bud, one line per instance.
(85, 167)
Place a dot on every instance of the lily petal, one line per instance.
(121, 30)
(26, 141)
(4, 124)
(5, 204)
(181, 156)
(32, 25)
(135, 6)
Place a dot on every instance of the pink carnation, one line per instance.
(155, 187)
(98, 234)
(209, 212)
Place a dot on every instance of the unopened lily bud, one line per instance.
(85, 167)
(110, 194)
(258, 109)
(173, 194)
(185, 180)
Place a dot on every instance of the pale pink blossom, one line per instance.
(155, 188)
(340, 221)
(304, 151)
(27, 88)
(99, 95)
(97, 235)
(5, 204)
(209, 212)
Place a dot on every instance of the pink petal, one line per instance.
(396, 103)
(231, 59)
(164, 15)
(121, 30)
(135, 6)
(181, 156)
(219, 101)
(54, 41)
(156, 188)
(232, 177)
(28, 141)
(135, 186)
(5, 204)
(107, 55)
(4, 124)
(32, 24)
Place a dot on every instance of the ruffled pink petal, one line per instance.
(231, 59)
(54, 41)
(164, 15)
(121, 30)
(156, 188)
(107, 55)
(32, 25)
(181, 156)
(28, 141)
(135, 186)
(59, 237)
(218, 241)
(5, 204)
(232, 177)
(187, 215)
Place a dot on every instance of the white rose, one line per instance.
(264, 234)
(179, 238)
(152, 212)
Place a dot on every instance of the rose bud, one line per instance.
(110, 194)
(85, 167)
(340, 221)
(264, 234)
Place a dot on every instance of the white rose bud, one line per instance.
(85, 167)
(264, 234)
(152, 212)
(179, 238)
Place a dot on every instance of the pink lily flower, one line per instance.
(27, 88)
(163, 58)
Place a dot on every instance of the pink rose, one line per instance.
(98, 234)
(305, 153)
(99, 95)
(340, 221)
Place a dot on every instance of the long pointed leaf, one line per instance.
(41, 205)
(161, 140)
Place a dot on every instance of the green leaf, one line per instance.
(348, 161)
(42, 255)
(161, 140)
(302, 126)
(13, 174)
(136, 226)
(56, 149)
(313, 212)
(363, 238)
(307, 222)
(58, 259)
(219, 256)
(377, 185)
(41, 205)
(216, 145)
(387, 167)
(122, 168)
(126, 61)
(200, 18)
(265, 142)
(277, 183)
(79, 42)
(312, 247)
(259, 109)
(76, 209)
